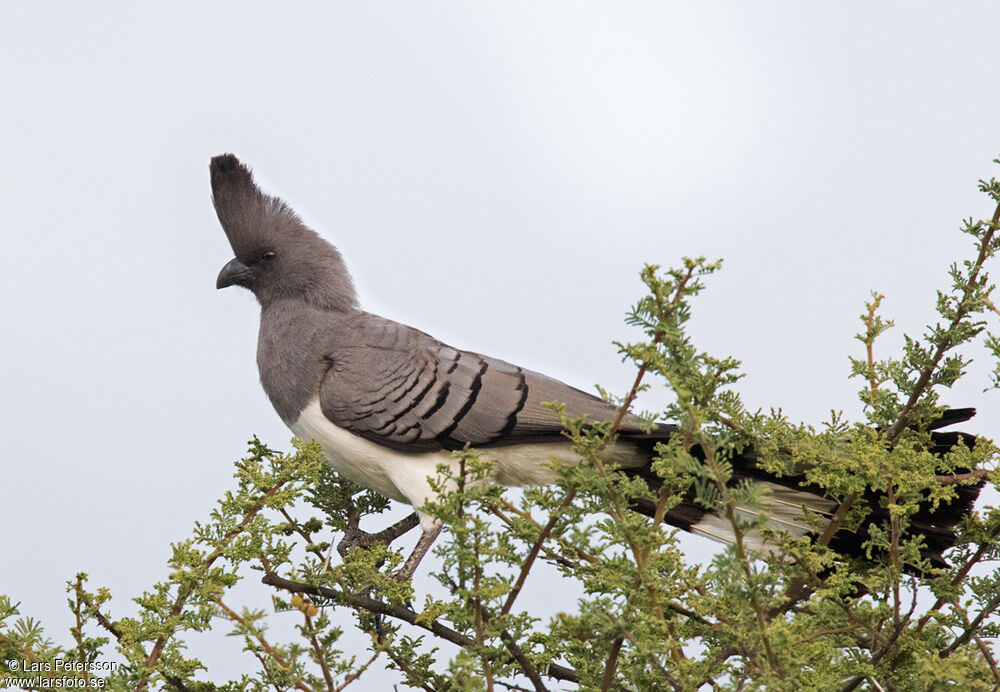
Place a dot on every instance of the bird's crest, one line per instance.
(242, 208)
(257, 223)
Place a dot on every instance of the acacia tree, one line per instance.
(799, 616)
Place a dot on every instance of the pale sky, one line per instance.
(494, 174)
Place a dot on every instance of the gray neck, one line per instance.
(291, 350)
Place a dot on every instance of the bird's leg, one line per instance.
(419, 550)
(355, 536)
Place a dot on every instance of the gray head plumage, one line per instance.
(277, 256)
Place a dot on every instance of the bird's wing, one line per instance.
(401, 388)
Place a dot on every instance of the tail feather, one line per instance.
(951, 416)
(791, 500)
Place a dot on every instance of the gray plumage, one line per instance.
(387, 382)
(304, 266)
(387, 402)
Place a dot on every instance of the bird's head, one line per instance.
(277, 256)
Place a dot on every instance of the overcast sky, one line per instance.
(494, 174)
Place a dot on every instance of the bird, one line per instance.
(388, 403)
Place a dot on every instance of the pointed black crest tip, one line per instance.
(227, 163)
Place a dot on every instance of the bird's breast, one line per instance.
(366, 463)
(403, 476)
(290, 358)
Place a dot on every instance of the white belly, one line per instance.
(403, 476)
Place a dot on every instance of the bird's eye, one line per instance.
(268, 255)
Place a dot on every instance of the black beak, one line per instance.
(234, 273)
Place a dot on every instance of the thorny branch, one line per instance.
(399, 612)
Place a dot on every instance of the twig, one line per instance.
(295, 526)
(983, 648)
(185, 590)
(960, 577)
(611, 665)
(960, 313)
(236, 617)
(77, 631)
(761, 615)
(794, 591)
(320, 658)
(117, 634)
(671, 680)
(976, 475)
(615, 426)
(526, 665)
(511, 686)
(348, 679)
(524, 662)
(399, 612)
(364, 602)
(971, 628)
(267, 672)
(877, 657)
(402, 666)
(481, 616)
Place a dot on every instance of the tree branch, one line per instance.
(237, 618)
(399, 612)
(958, 478)
(960, 314)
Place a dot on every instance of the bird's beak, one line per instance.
(234, 273)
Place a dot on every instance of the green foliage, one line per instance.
(774, 611)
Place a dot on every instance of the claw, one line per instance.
(354, 536)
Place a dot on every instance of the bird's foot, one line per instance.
(354, 536)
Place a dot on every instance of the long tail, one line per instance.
(791, 496)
